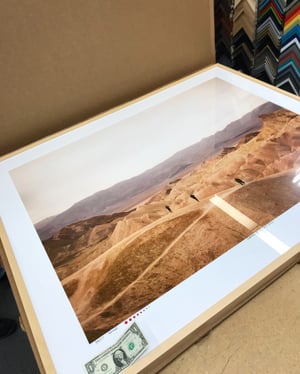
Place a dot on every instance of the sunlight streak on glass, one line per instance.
(272, 241)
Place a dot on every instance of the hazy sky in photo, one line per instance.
(53, 183)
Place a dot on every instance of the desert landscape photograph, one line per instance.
(127, 215)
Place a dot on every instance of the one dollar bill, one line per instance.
(121, 354)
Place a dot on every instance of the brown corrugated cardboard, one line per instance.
(64, 61)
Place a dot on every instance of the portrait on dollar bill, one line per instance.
(120, 358)
(127, 349)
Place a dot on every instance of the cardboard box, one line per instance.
(62, 63)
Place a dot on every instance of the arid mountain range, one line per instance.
(127, 194)
(112, 265)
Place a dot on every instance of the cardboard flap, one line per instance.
(65, 61)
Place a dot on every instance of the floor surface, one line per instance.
(16, 356)
(263, 337)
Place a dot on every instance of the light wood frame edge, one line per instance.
(256, 80)
(200, 326)
(27, 314)
(181, 340)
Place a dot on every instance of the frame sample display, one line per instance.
(129, 216)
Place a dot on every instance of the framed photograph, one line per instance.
(131, 235)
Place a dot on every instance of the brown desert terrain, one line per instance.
(113, 265)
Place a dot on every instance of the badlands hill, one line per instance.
(113, 265)
(127, 194)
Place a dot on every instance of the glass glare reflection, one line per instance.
(297, 177)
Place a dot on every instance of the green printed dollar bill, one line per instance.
(121, 354)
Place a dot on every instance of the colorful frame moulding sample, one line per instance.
(167, 213)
